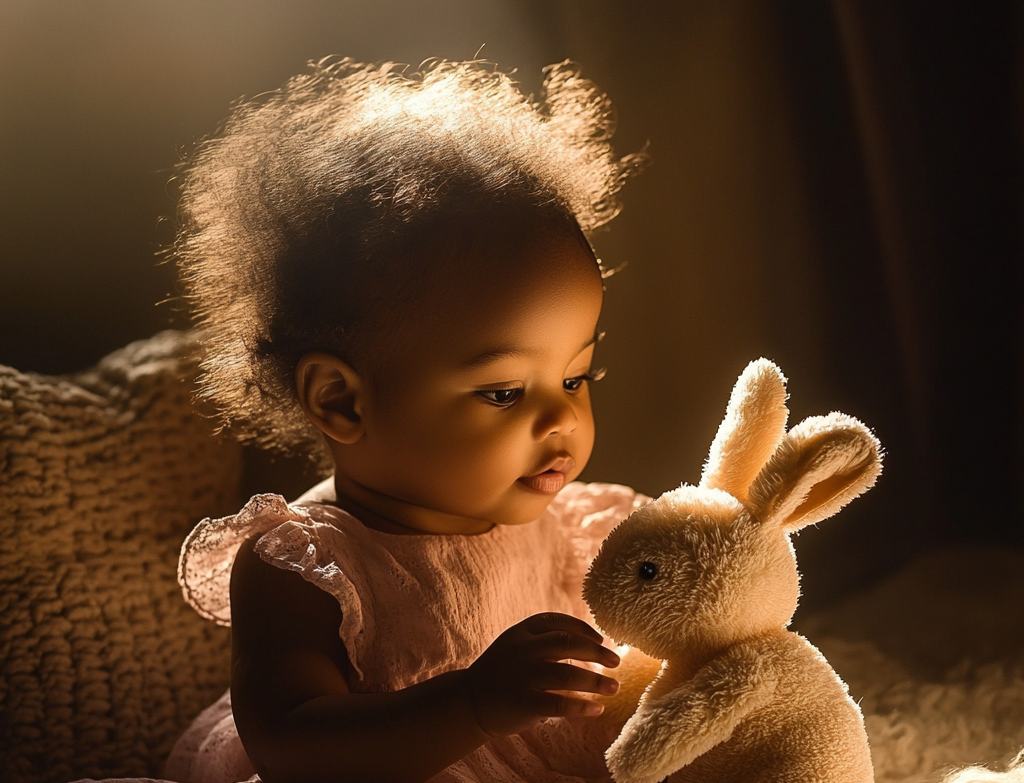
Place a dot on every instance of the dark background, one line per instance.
(836, 186)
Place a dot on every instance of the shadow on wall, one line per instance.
(834, 187)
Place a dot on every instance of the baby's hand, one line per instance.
(513, 679)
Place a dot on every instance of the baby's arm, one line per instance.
(298, 721)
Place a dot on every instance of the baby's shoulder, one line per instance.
(208, 553)
(323, 492)
(584, 515)
(595, 504)
(280, 531)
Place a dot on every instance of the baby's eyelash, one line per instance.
(502, 397)
(573, 385)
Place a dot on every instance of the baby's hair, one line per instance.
(298, 219)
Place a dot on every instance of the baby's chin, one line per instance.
(529, 509)
(520, 505)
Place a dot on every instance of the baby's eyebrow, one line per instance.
(489, 357)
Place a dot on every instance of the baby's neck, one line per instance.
(389, 515)
(373, 520)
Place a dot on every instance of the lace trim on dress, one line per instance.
(204, 569)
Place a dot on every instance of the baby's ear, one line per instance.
(754, 424)
(820, 466)
(331, 393)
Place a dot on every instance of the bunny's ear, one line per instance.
(821, 465)
(754, 424)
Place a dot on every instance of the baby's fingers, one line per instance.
(556, 621)
(560, 645)
(566, 677)
(555, 705)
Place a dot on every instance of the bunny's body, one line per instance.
(704, 579)
(772, 714)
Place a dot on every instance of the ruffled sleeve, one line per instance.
(586, 514)
(313, 550)
(204, 568)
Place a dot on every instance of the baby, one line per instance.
(392, 272)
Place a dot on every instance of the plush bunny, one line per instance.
(704, 578)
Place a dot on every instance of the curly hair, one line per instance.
(295, 218)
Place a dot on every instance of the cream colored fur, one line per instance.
(705, 580)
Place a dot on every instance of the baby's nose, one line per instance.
(557, 417)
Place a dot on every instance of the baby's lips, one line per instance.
(552, 477)
(561, 464)
(549, 482)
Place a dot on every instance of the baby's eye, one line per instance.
(501, 397)
(575, 384)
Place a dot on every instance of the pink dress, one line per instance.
(413, 607)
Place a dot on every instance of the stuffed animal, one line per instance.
(704, 579)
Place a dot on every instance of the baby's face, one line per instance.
(480, 413)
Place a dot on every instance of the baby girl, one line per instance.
(393, 274)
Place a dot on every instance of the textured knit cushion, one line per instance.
(102, 474)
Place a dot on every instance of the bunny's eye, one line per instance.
(648, 570)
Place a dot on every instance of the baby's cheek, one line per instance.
(585, 440)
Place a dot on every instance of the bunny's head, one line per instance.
(703, 567)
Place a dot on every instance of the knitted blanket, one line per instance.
(102, 474)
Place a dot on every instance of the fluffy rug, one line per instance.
(935, 656)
